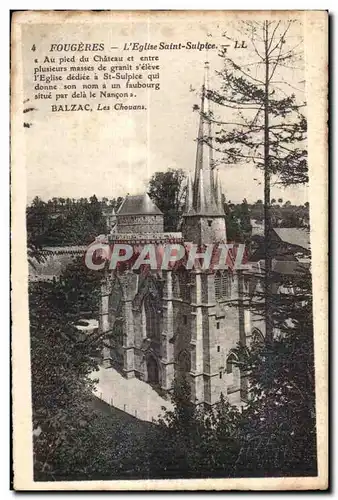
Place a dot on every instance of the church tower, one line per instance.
(203, 216)
(206, 325)
(181, 322)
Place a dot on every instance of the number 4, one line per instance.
(33, 48)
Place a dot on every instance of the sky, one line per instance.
(112, 153)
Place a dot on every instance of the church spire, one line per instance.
(204, 175)
(204, 218)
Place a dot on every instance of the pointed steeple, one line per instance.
(204, 218)
(204, 175)
(188, 209)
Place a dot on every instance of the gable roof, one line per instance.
(138, 205)
(286, 267)
(294, 236)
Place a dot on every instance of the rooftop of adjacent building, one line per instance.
(140, 204)
(108, 211)
(286, 267)
(295, 236)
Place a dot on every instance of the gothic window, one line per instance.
(118, 332)
(233, 372)
(222, 285)
(153, 317)
(176, 285)
(115, 300)
(152, 370)
(184, 280)
(218, 286)
(257, 336)
(226, 284)
(231, 358)
(115, 315)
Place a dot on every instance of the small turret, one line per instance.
(138, 214)
(188, 208)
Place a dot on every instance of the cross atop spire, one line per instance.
(204, 196)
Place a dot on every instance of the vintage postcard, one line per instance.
(169, 246)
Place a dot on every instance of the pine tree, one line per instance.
(266, 126)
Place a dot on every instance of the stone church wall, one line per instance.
(200, 229)
(140, 223)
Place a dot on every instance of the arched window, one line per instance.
(257, 336)
(226, 284)
(218, 285)
(233, 373)
(153, 374)
(184, 284)
(176, 285)
(153, 317)
(230, 362)
(115, 311)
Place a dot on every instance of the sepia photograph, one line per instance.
(169, 290)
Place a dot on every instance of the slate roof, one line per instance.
(138, 205)
(294, 236)
(287, 267)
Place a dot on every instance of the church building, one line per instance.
(178, 321)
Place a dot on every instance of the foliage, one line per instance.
(73, 437)
(273, 436)
(60, 365)
(63, 221)
(278, 426)
(237, 219)
(282, 216)
(80, 289)
(167, 190)
(200, 442)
